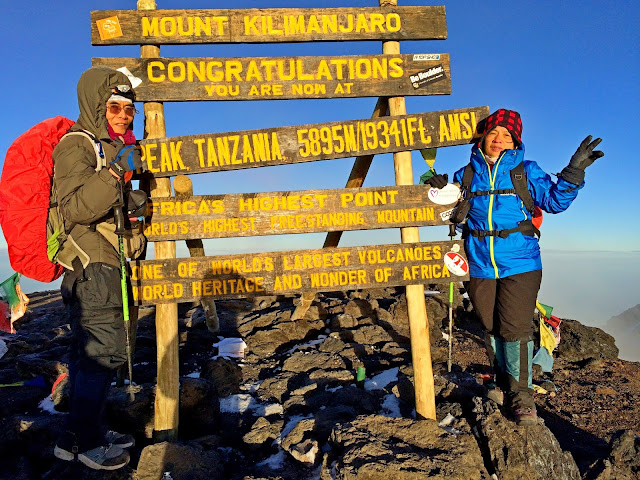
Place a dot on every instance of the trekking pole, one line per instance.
(429, 156)
(120, 229)
(452, 234)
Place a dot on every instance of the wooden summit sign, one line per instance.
(279, 78)
(273, 213)
(213, 152)
(327, 269)
(119, 27)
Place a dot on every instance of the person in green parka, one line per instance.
(91, 288)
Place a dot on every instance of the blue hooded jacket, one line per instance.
(496, 257)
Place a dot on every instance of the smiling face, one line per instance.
(496, 141)
(120, 115)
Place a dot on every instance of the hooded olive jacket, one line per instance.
(85, 197)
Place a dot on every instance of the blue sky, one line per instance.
(570, 68)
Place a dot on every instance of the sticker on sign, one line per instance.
(447, 195)
(428, 76)
(420, 57)
(446, 215)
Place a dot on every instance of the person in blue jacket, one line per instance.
(503, 251)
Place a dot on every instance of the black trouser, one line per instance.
(93, 299)
(505, 307)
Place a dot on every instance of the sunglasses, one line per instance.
(115, 109)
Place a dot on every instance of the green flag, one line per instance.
(12, 294)
(545, 310)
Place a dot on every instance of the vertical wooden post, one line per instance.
(167, 392)
(416, 307)
(183, 187)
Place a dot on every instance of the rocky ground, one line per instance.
(291, 408)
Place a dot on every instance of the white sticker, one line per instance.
(418, 57)
(135, 81)
(447, 195)
(446, 215)
(456, 264)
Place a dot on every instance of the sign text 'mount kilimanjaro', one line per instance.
(212, 152)
(279, 78)
(119, 27)
(307, 211)
(299, 271)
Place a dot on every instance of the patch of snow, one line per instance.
(391, 406)
(251, 387)
(445, 336)
(46, 405)
(334, 472)
(239, 403)
(274, 462)
(243, 402)
(329, 389)
(270, 409)
(291, 424)
(446, 421)
(311, 343)
(382, 379)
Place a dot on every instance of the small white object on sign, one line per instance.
(446, 195)
(135, 81)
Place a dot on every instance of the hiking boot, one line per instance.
(526, 416)
(122, 440)
(105, 457)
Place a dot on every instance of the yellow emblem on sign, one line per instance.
(109, 28)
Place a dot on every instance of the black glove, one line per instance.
(438, 181)
(128, 159)
(584, 156)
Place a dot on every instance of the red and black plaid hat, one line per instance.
(508, 119)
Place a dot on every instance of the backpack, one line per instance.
(519, 180)
(31, 222)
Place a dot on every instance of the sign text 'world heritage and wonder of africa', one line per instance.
(274, 273)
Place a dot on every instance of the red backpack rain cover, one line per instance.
(25, 188)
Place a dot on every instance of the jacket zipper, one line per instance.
(492, 179)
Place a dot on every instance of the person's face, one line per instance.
(120, 115)
(496, 141)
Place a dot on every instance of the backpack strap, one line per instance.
(467, 178)
(520, 188)
(101, 160)
(526, 227)
(519, 180)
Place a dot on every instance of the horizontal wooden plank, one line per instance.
(213, 152)
(298, 271)
(280, 78)
(306, 211)
(122, 27)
